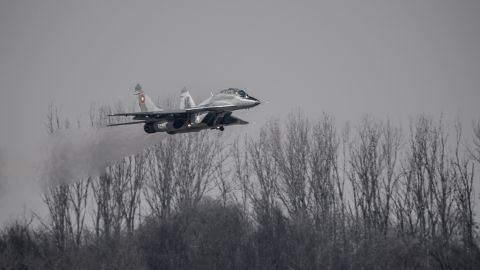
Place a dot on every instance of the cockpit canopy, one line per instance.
(234, 91)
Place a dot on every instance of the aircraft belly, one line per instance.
(193, 128)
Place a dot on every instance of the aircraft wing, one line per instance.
(154, 114)
(126, 123)
(171, 114)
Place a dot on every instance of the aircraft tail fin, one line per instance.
(144, 101)
(186, 100)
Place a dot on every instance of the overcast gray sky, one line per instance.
(347, 58)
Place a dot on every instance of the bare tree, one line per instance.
(341, 176)
(404, 201)
(241, 172)
(101, 189)
(133, 188)
(291, 156)
(419, 156)
(57, 200)
(390, 148)
(78, 201)
(121, 174)
(463, 190)
(265, 190)
(160, 187)
(181, 170)
(427, 192)
(109, 193)
(323, 181)
(221, 176)
(195, 166)
(367, 166)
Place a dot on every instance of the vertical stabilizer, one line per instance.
(146, 104)
(186, 100)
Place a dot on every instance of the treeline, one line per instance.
(300, 194)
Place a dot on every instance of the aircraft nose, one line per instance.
(256, 102)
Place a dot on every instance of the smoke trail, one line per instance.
(77, 154)
(63, 157)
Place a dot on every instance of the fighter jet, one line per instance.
(213, 113)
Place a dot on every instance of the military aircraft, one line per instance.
(213, 113)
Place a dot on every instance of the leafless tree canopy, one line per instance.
(300, 194)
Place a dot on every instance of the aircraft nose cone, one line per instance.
(252, 101)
